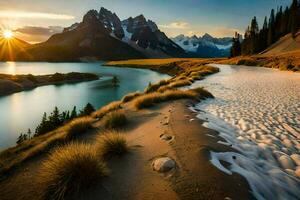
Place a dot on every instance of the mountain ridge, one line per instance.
(205, 46)
(101, 35)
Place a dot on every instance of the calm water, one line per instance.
(24, 110)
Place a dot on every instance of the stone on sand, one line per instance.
(163, 164)
(286, 162)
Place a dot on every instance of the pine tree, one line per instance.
(54, 118)
(73, 113)
(87, 110)
(29, 133)
(293, 18)
(271, 28)
(236, 46)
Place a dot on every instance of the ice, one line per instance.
(257, 112)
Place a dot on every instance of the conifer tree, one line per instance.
(73, 113)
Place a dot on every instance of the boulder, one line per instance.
(163, 164)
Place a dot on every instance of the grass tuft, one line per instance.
(116, 105)
(115, 119)
(149, 100)
(180, 83)
(203, 93)
(130, 97)
(70, 170)
(155, 87)
(111, 143)
(78, 126)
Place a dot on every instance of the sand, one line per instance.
(132, 176)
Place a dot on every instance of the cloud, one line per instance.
(35, 30)
(176, 25)
(34, 15)
(35, 34)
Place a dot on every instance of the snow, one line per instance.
(127, 37)
(257, 112)
(219, 46)
(191, 44)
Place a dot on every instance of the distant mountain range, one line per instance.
(205, 46)
(101, 35)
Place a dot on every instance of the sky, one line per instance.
(36, 20)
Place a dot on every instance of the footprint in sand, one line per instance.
(166, 137)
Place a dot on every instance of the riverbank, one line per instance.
(132, 175)
(285, 61)
(151, 133)
(10, 84)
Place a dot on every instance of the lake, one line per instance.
(24, 110)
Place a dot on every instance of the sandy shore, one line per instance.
(132, 176)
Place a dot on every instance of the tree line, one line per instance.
(282, 22)
(54, 120)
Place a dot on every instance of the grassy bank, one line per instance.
(162, 91)
(285, 61)
(15, 83)
(171, 66)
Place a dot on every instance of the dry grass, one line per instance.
(165, 88)
(149, 100)
(203, 93)
(111, 143)
(12, 157)
(69, 171)
(180, 83)
(130, 96)
(155, 87)
(106, 109)
(78, 126)
(115, 119)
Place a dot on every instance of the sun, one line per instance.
(8, 34)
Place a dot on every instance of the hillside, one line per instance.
(284, 45)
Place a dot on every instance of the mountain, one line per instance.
(205, 46)
(11, 47)
(103, 36)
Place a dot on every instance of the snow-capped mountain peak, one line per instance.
(205, 46)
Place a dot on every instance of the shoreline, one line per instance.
(193, 178)
(11, 84)
(194, 174)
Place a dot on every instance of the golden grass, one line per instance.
(69, 171)
(12, 157)
(145, 62)
(115, 119)
(111, 143)
(150, 99)
(106, 109)
(203, 93)
(78, 126)
(180, 83)
(155, 87)
(165, 88)
(130, 96)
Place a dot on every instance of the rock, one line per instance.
(286, 162)
(297, 172)
(290, 172)
(163, 164)
(296, 159)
